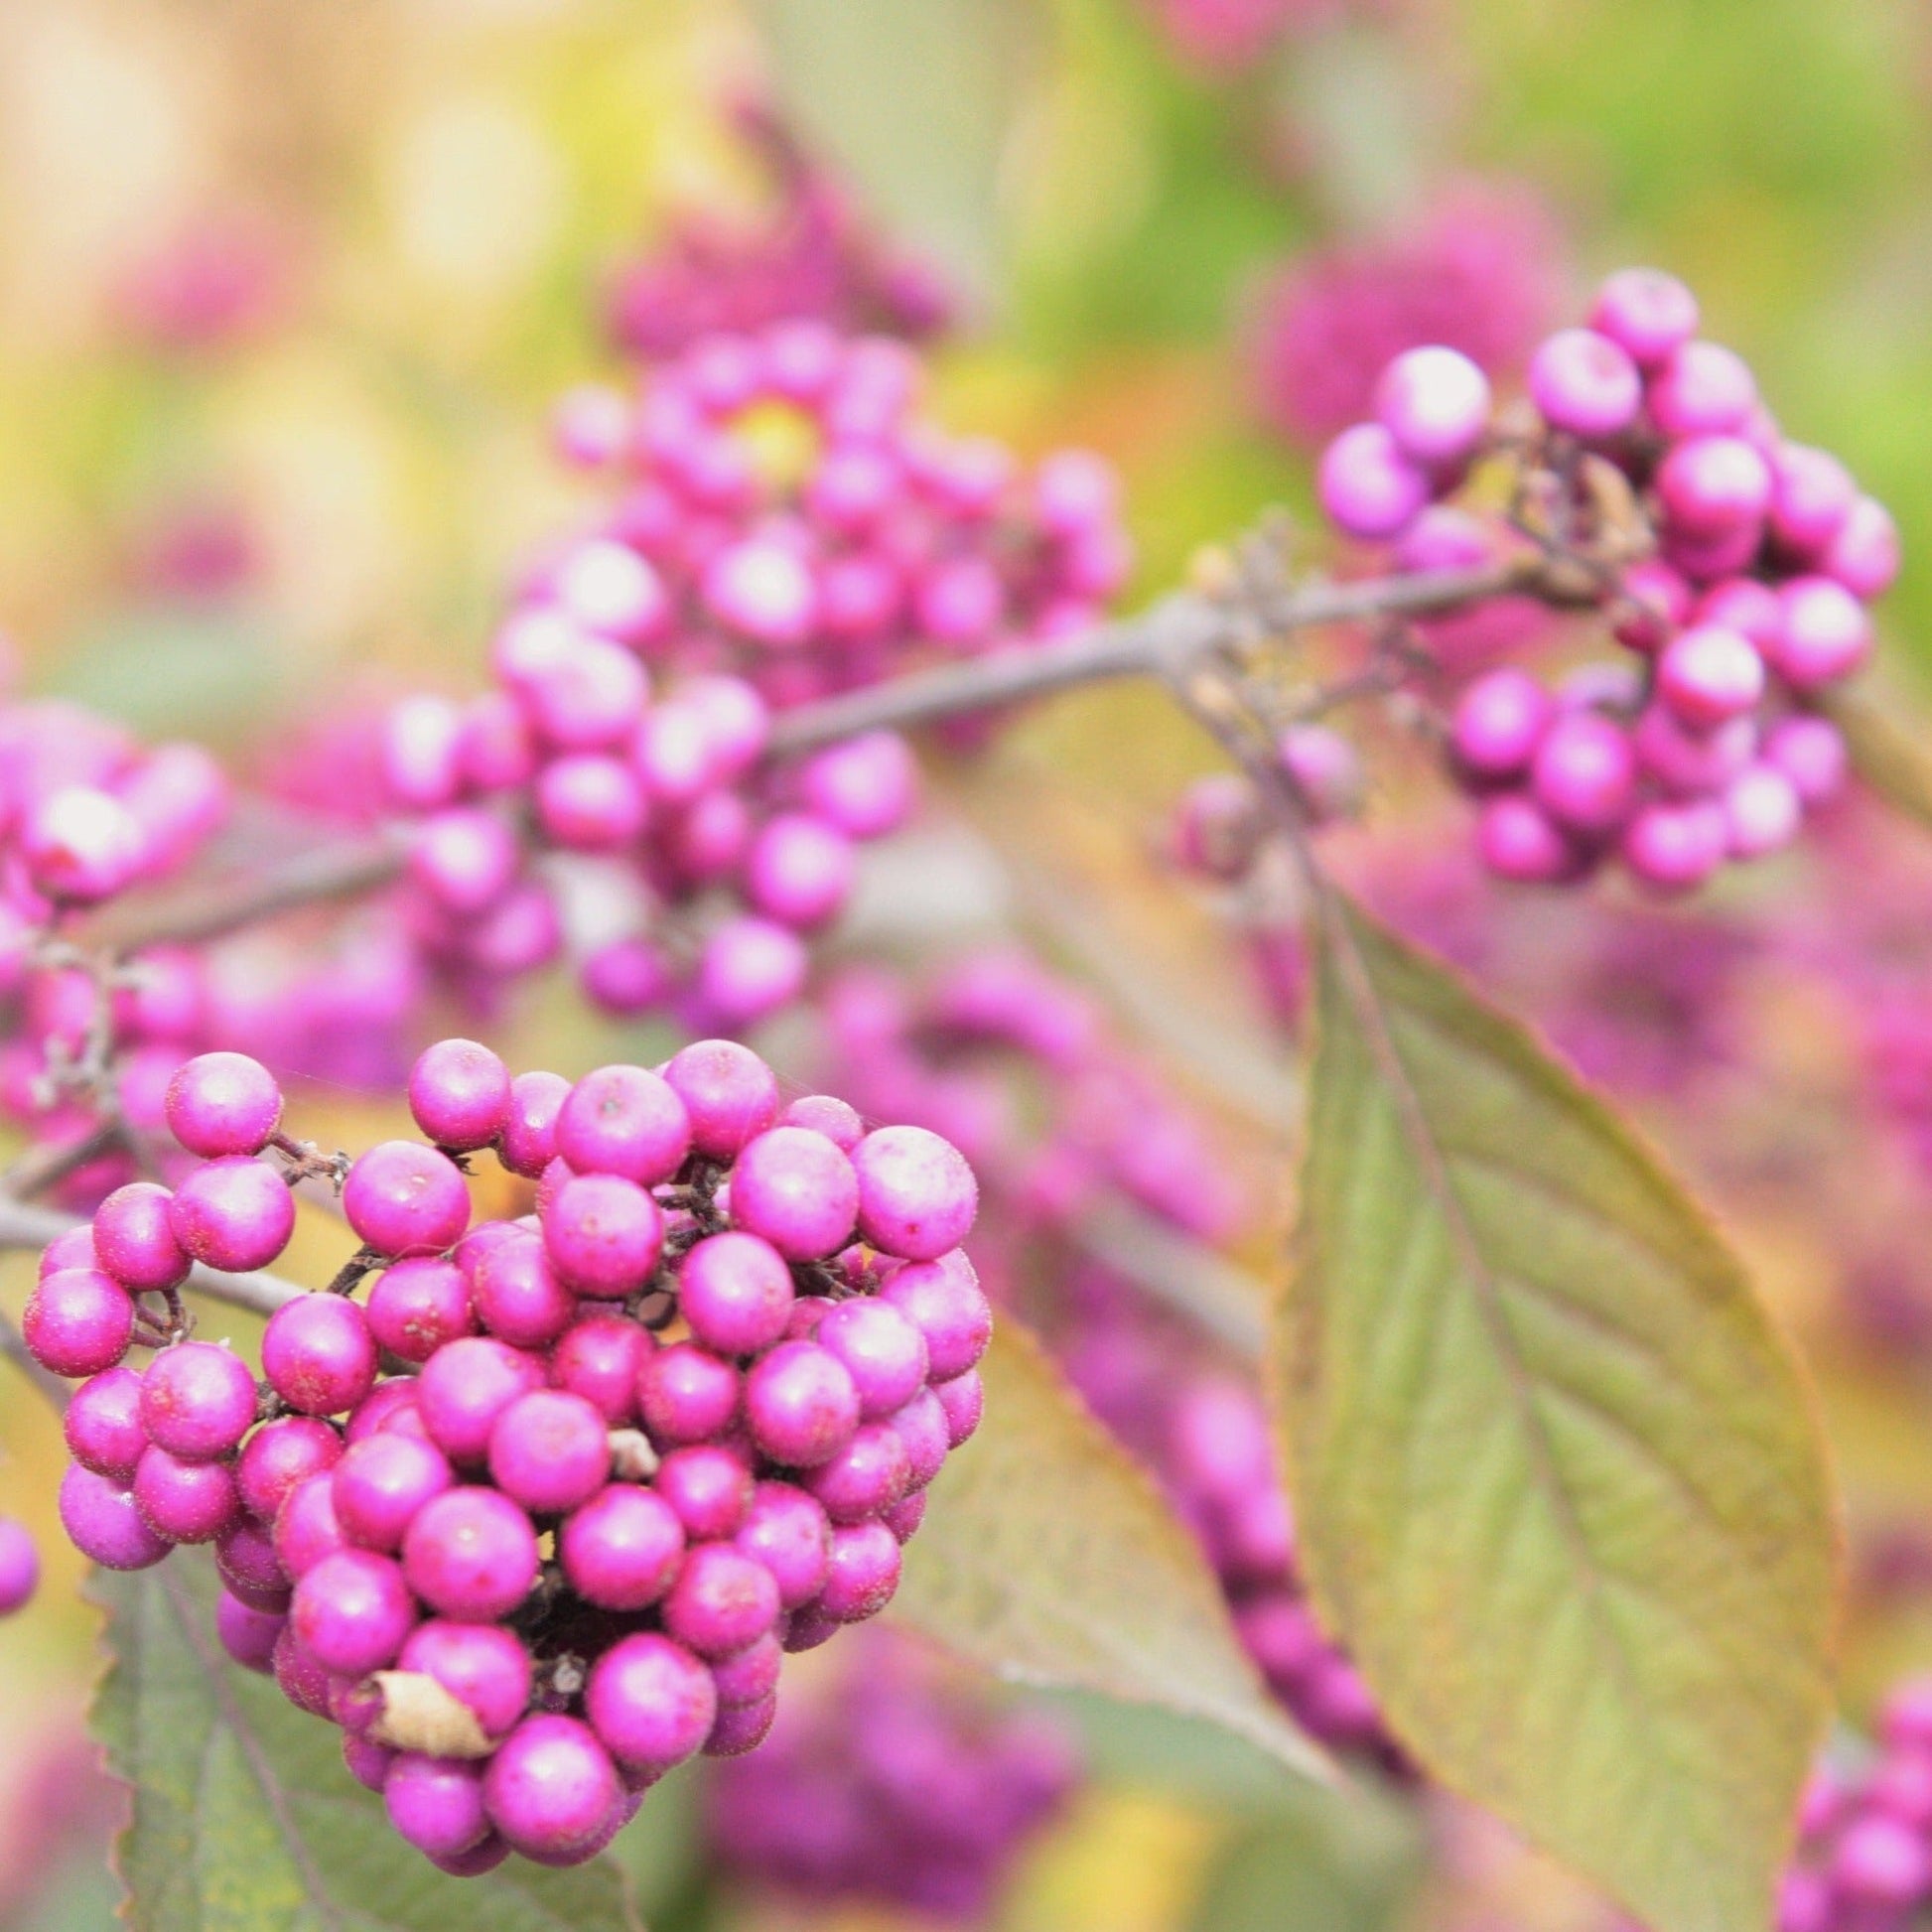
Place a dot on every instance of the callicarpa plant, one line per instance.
(919, 1282)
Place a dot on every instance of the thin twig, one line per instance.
(1162, 641)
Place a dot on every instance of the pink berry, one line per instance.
(797, 1189)
(81, 845)
(280, 1455)
(20, 1565)
(729, 1095)
(1812, 496)
(530, 1132)
(79, 1321)
(460, 1094)
(1674, 847)
(552, 1791)
(602, 1235)
(708, 1488)
(417, 1306)
(198, 1399)
(651, 1702)
(404, 1198)
(1585, 383)
(801, 871)
(1585, 773)
(1499, 721)
(749, 969)
(735, 1292)
(224, 1104)
(800, 1403)
(880, 1349)
(550, 1452)
(381, 1484)
(472, 1555)
(1710, 487)
(187, 1502)
(621, 1548)
(1710, 675)
(306, 1529)
(247, 1634)
(942, 1299)
(352, 1611)
(1646, 313)
(865, 787)
(1864, 556)
(863, 1573)
(465, 1387)
(963, 1398)
(319, 1354)
(918, 1197)
(865, 1478)
(436, 1804)
(788, 1532)
(518, 1296)
(103, 1524)
(1369, 490)
(721, 1601)
(625, 1121)
(686, 1393)
(600, 1357)
(1434, 403)
(134, 1241)
(1826, 633)
(823, 1114)
(1701, 389)
(236, 1213)
(102, 1424)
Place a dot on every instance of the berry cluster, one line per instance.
(1707, 745)
(786, 528)
(677, 1420)
(893, 1782)
(1479, 272)
(809, 257)
(1865, 1837)
(1204, 1430)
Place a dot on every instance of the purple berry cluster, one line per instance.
(811, 256)
(893, 1782)
(677, 1420)
(785, 527)
(1202, 1429)
(1865, 1834)
(1707, 745)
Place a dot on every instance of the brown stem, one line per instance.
(1163, 641)
(331, 871)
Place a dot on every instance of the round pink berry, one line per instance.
(463, 1389)
(1434, 403)
(623, 1120)
(721, 1601)
(918, 1197)
(224, 1104)
(729, 1095)
(686, 1393)
(134, 1240)
(1585, 773)
(472, 1555)
(187, 1502)
(602, 1235)
(518, 1296)
(798, 1191)
(417, 1306)
(651, 1702)
(880, 1349)
(788, 1532)
(735, 1292)
(460, 1094)
(381, 1484)
(236, 1213)
(552, 1791)
(943, 1299)
(198, 1399)
(1499, 721)
(1585, 383)
(79, 1321)
(862, 1575)
(550, 1452)
(280, 1455)
(708, 1488)
(800, 1403)
(623, 1548)
(600, 1357)
(1646, 313)
(319, 1354)
(247, 1634)
(102, 1424)
(1369, 490)
(1710, 675)
(404, 1198)
(436, 1804)
(352, 1612)
(529, 1141)
(103, 1524)
(481, 1665)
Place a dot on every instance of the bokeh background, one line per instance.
(286, 293)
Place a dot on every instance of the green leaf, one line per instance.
(1049, 1557)
(244, 1819)
(918, 101)
(1329, 1863)
(1557, 1476)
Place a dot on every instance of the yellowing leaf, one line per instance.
(1557, 1476)
(1048, 1555)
